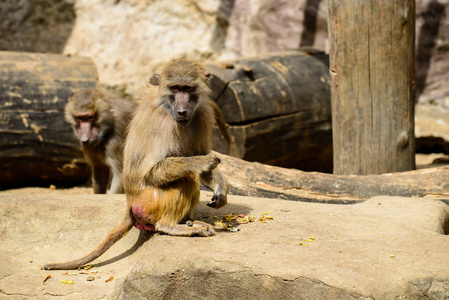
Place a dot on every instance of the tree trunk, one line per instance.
(372, 73)
(258, 180)
(35, 141)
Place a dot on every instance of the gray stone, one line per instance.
(129, 39)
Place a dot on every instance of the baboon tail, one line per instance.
(110, 240)
(224, 129)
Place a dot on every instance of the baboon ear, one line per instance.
(208, 75)
(154, 80)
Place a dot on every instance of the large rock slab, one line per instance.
(382, 248)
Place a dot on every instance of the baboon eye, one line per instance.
(84, 118)
(175, 88)
(189, 89)
(182, 88)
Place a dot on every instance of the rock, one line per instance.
(128, 39)
(431, 128)
(36, 26)
(117, 34)
(383, 248)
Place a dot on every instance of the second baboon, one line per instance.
(167, 155)
(100, 121)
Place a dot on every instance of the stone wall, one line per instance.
(36, 25)
(129, 39)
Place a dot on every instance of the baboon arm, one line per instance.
(218, 184)
(175, 168)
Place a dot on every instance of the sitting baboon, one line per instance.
(167, 154)
(100, 121)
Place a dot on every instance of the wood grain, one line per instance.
(372, 73)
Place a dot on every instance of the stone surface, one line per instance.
(382, 248)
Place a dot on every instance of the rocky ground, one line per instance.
(383, 248)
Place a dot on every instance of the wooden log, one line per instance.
(372, 69)
(35, 142)
(259, 180)
(278, 108)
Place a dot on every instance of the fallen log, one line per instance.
(35, 141)
(259, 180)
(278, 108)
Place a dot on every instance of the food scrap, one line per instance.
(109, 279)
(66, 281)
(230, 222)
(47, 278)
(310, 240)
(265, 216)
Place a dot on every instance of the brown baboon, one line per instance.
(100, 122)
(167, 155)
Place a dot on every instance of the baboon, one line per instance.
(167, 154)
(100, 121)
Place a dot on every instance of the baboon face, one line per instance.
(183, 101)
(83, 113)
(180, 84)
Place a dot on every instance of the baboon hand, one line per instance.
(211, 162)
(218, 200)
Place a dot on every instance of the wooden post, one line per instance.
(372, 85)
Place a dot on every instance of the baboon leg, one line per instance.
(100, 179)
(116, 183)
(191, 228)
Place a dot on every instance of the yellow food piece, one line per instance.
(67, 281)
